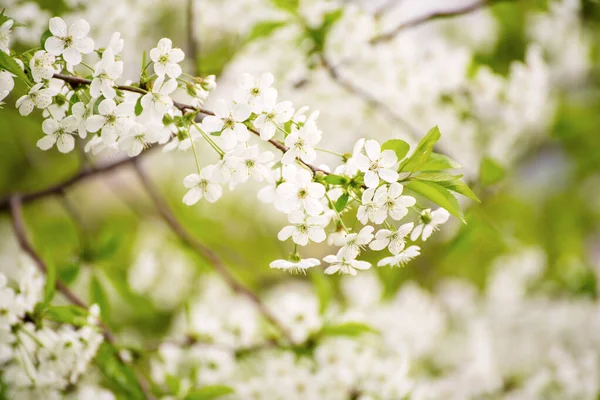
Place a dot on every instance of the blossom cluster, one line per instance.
(40, 359)
(369, 182)
(456, 342)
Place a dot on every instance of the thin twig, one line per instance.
(367, 97)
(385, 37)
(16, 208)
(205, 252)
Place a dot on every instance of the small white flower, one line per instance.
(38, 96)
(42, 66)
(392, 202)
(80, 112)
(344, 265)
(251, 90)
(301, 193)
(115, 44)
(59, 133)
(230, 122)
(401, 258)
(430, 221)
(158, 100)
(166, 58)
(300, 265)
(7, 84)
(301, 143)
(304, 228)
(71, 42)
(106, 72)
(203, 185)
(5, 31)
(369, 210)
(252, 163)
(113, 120)
(377, 164)
(355, 242)
(136, 139)
(394, 240)
(273, 114)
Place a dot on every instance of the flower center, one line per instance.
(250, 163)
(255, 91)
(163, 59)
(229, 123)
(302, 193)
(426, 217)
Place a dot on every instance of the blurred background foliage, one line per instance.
(549, 198)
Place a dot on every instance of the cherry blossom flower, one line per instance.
(273, 114)
(69, 42)
(230, 122)
(202, 185)
(401, 258)
(80, 112)
(301, 193)
(355, 242)
(377, 164)
(106, 72)
(42, 66)
(304, 228)
(38, 96)
(392, 202)
(136, 139)
(301, 144)
(59, 133)
(7, 84)
(369, 210)
(251, 90)
(252, 163)
(166, 58)
(157, 99)
(430, 222)
(112, 120)
(344, 265)
(393, 240)
(5, 31)
(299, 265)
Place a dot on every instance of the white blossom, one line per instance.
(377, 164)
(80, 113)
(112, 120)
(393, 240)
(301, 144)
(251, 90)
(38, 96)
(429, 222)
(304, 228)
(137, 137)
(355, 242)
(59, 133)
(7, 84)
(228, 121)
(158, 99)
(401, 258)
(106, 72)
(166, 58)
(202, 185)
(301, 193)
(42, 66)
(251, 162)
(5, 31)
(369, 210)
(344, 265)
(69, 42)
(300, 265)
(273, 115)
(392, 202)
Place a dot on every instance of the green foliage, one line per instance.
(119, 376)
(439, 195)
(209, 392)
(290, 6)
(98, 296)
(264, 29)
(439, 162)
(490, 172)
(450, 182)
(351, 329)
(336, 179)
(45, 37)
(341, 202)
(138, 107)
(400, 147)
(323, 289)
(421, 154)
(9, 64)
(319, 34)
(50, 286)
(67, 315)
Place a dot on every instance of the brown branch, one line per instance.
(205, 252)
(477, 5)
(367, 97)
(21, 235)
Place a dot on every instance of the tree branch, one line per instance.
(205, 252)
(385, 37)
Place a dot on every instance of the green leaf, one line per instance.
(323, 290)
(341, 202)
(421, 154)
(209, 392)
(459, 187)
(439, 162)
(437, 176)
(333, 179)
(264, 29)
(138, 107)
(351, 329)
(68, 272)
(173, 383)
(9, 64)
(439, 195)
(490, 172)
(98, 296)
(400, 147)
(67, 315)
(120, 376)
(45, 37)
(330, 19)
(290, 6)
(50, 287)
